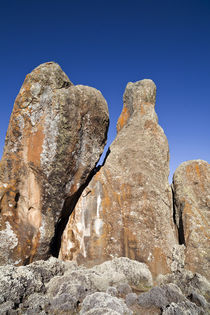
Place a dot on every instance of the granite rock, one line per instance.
(127, 206)
(191, 189)
(56, 134)
(101, 300)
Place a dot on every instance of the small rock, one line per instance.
(137, 274)
(198, 299)
(161, 296)
(104, 300)
(112, 291)
(124, 288)
(131, 298)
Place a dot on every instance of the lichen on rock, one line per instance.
(55, 138)
(127, 210)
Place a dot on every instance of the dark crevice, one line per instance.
(106, 156)
(174, 206)
(68, 208)
(17, 197)
(181, 229)
(179, 224)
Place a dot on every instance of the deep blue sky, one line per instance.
(106, 44)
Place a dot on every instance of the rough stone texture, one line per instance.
(131, 299)
(188, 282)
(182, 308)
(170, 299)
(161, 296)
(136, 274)
(56, 135)
(191, 186)
(56, 287)
(126, 210)
(101, 300)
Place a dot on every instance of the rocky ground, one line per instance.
(120, 286)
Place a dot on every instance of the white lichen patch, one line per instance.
(35, 89)
(79, 226)
(51, 131)
(8, 238)
(98, 224)
(21, 122)
(37, 109)
(150, 257)
(98, 205)
(70, 245)
(42, 229)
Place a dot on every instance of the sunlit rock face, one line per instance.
(56, 135)
(127, 209)
(191, 185)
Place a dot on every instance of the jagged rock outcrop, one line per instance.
(56, 135)
(191, 187)
(126, 210)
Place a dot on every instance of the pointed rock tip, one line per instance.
(136, 93)
(144, 90)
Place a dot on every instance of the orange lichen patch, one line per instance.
(35, 146)
(142, 109)
(187, 215)
(197, 170)
(122, 121)
(35, 243)
(151, 125)
(159, 264)
(193, 170)
(130, 244)
(24, 96)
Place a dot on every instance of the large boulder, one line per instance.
(56, 135)
(127, 210)
(191, 186)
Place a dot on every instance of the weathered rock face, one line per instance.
(126, 210)
(56, 135)
(191, 186)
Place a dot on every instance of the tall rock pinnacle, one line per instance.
(56, 135)
(126, 210)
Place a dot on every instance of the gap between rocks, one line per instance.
(179, 225)
(68, 208)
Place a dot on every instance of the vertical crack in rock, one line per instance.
(181, 228)
(178, 220)
(68, 208)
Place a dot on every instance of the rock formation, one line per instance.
(56, 135)
(191, 186)
(127, 209)
(144, 244)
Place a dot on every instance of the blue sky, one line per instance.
(106, 44)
